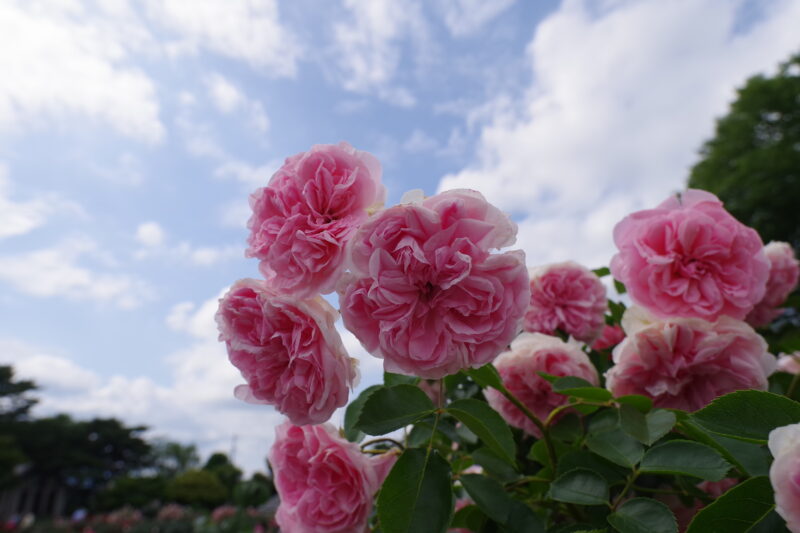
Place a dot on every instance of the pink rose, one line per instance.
(325, 483)
(685, 513)
(287, 350)
(689, 257)
(531, 353)
(566, 296)
(789, 363)
(610, 337)
(784, 272)
(425, 294)
(302, 220)
(784, 474)
(684, 363)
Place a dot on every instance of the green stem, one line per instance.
(551, 451)
(793, 385)
(625, 489)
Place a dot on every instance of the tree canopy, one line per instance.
(753, 162)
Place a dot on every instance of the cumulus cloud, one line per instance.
(228, 98)
(67, 62)
(154, 243)
(248, 31)
(150, 234)
(62, 271)
(618, 107)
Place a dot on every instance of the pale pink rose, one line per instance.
(325, 483)
(460, 504)
(288, 351)
(690, 258)
(789, 363)
(784, 474)
(425, 294)
(684, 363)
(304, 217)
(610, 337)
(223, 512)
(567, 297)
(531, 353)
(783, 277)
(685, 513)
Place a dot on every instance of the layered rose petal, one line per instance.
(288, 351)
(425, 294)
(325, 483)
(519, 368)
(784, 272)
(303, 219)
(685, 363)
(610, 337)
(690, 258)
(784, 474)
(567, 297)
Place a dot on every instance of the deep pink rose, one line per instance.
(425, 294)
(784, 272)
(302, 220)
(690, 258)
(684, 363)
(784, 474)
(531, 353)
(610, 337)
(288, 351)
(566, 296)
(325, 483)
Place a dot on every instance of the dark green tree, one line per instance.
(171, 459)
(198, 488)
(753, 162)
(221, 466)
(15, 400)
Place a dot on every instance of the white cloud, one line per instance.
(618, 108)
(19, 218)
(419, 141)
(465, 17)
(248, 31)
(228, 98)
(150, 234)
(368, 47)
(249, 175)
(58, 272)
(64, 62)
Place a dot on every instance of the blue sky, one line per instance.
(132, 132)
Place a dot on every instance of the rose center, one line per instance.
(693, 268)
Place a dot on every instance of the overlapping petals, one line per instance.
(303, 219)
(567, 297)
(519, 367)
(684, 363)
(690, 258)
(426, 294)
(325, 483)
(288, 351)
(784, 272)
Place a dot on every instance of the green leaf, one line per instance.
(494, 465)
(590, 461)
(493, 500)
(643, 515)
(736, 511)
(620, 287)
(580, 388)
(616, 446)
(353, 411)
(486, 376)
(416, 496)
(601, 272)
(647, 429)
(390, 408)
(748, 415)
(567, 429)
(390, 379)
(487, 424)
(580, 486)
(469, 517)
(642, 403)
(605, 420)
(684, 457)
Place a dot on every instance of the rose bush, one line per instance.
(288, 351)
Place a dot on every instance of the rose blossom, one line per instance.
(784, 474)
(306, 214)
(288, 351)
(566, 296)
(784, 272)
(531, 353)
(610, 337)
(325, 483)
(425, 294)
(789, 363)
(689, 257)
(684, 363)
